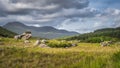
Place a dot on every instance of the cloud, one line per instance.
(60, 3)
(40, 6)
(103, 4)
(108, 18)
(73, 15)
(43, 11)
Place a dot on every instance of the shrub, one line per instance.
(56, 43)
(99, 39)
(93, 40)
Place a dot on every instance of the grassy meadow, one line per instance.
(16, 54)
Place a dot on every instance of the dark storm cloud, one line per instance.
(18, 7)
(17, 12)
(61, 3)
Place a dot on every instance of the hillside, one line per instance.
(6, 33)
(45, 31)
(85, 55)
(99, 35)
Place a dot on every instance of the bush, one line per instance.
(93, 40)
(56, 43)
(100, 39)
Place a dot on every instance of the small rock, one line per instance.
(37, 43)
(26, 41)
(43, 41)
(43, 45)
(73, 44)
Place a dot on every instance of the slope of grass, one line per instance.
(106, 34)
(13, 54)
(6, 33)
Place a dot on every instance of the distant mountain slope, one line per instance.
(6, 33)
(100, 34)
(45, 31)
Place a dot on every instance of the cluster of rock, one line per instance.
(27, 35)
(24, 36)
(106, 43)
(41, 43)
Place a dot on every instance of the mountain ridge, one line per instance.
(44, 31)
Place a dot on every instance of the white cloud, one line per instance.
(35, 25)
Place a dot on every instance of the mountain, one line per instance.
(6, 33)
(99, 35)
(44, 32)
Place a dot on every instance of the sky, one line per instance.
(73, 15)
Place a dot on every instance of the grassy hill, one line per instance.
(99, 35)
(6, 33)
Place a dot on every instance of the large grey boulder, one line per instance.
(24, 36)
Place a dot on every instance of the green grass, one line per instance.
(85, 55)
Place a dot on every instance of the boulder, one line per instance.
(103, 44)
(17, 37)
(74, 44)
(43, 45)
(106, 43)
(24, 36)
(43, 41)
(26, 41)
(37, 42)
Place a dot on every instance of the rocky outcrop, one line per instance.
(41, 43)
(105, 43)
(25, 36)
